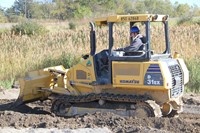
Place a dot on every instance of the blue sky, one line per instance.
(9, 3)
(190, 2)
(6, 3)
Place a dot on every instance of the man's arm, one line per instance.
(135, 45)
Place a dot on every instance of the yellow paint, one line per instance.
(81, 85)
(131, 18)
(89, 69)
(31, 85)
(61, 90)
(134, 73)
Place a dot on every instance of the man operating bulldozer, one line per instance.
(137, 40)
(137, 83)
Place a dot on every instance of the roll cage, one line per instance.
(146, 19)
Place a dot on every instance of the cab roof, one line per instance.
(131, 18)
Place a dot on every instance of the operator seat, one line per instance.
(102, 62)
(141, 50)
(102, 66)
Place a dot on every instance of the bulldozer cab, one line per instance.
(146, 20)
(105, 58)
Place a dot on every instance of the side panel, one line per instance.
(139, 75)
(82, 75)
(127, 74)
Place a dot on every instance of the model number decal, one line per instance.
(152, 82)
(154, 79)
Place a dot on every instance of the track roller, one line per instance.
(60, 108)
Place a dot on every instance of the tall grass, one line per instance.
(193, 66)
(186, 40)
(20, 54)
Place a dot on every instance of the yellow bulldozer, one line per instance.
(139, 83)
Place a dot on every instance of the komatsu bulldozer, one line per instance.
(136, 83)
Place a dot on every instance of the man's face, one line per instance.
(133, 34)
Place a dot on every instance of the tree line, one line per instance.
(85, 9)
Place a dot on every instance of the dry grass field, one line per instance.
(20, 54)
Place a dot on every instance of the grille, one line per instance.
(177, 80)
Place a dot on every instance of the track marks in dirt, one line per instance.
(37, 115)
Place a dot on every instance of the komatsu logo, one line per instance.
(129, 81)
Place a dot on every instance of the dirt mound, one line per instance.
(191, 99)
(37, 115)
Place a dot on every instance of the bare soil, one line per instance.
(37, 115)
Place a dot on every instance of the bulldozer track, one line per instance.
(143, 101)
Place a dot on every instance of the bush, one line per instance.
(198, 22)
(65, 59)
(194, 83)
(28, 28)
(185, 20)
(7, 84)
(72, 26)
(15, 18)
(3, 19)
(4, 31)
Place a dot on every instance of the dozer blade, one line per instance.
(33, 86)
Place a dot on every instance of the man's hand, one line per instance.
(120, 49)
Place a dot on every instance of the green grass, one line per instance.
(6, 83)
(194, 75)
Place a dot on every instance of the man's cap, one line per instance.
(135, 29)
